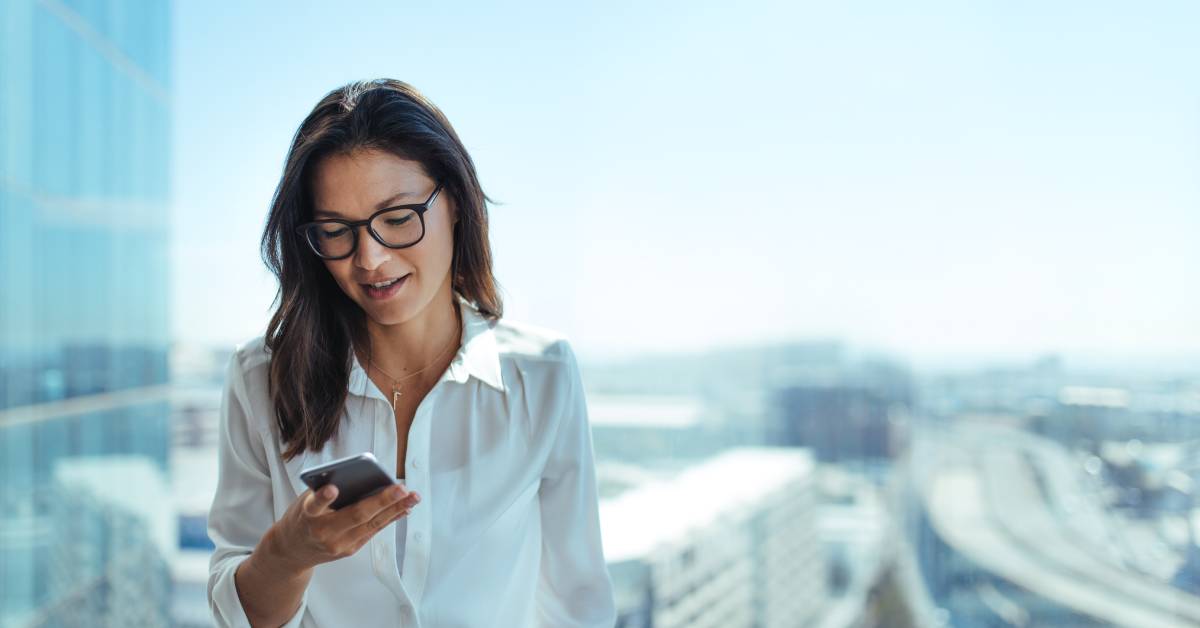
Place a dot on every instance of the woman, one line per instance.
(378, 236)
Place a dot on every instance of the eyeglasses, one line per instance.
(395, 227)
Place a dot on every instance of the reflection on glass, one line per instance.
(86, 527)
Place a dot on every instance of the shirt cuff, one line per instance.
(227, 606)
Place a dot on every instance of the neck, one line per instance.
(430, 338)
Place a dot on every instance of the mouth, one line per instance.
(385, 289)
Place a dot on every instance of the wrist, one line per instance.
(273, 557)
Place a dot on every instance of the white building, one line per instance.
(729, 542)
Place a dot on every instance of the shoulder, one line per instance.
(252, 354)
(530, 345)
(247, 375)
(249, 366)
(542, 359)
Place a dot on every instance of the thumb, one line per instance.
(320, 499)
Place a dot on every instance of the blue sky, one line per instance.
(946, 181)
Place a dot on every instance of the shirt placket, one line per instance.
(383, 556)
(410, 585)
(417, 472)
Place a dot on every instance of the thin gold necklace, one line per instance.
(396, 393)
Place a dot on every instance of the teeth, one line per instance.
(384, 284)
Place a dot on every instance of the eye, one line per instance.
(398, 221)
(329, 234)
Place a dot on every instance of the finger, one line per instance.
(407, 504)
(382, 518)
(366, 509)
(408, 501)
(403, 507)
(317, 502)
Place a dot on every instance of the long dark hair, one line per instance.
(315, 324)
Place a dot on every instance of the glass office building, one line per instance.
(85, 526)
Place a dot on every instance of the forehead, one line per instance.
(355, 185)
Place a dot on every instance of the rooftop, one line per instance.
(661, 512)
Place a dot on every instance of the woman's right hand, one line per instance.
(311, 533)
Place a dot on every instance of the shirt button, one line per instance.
(417, 537)
(415, 464)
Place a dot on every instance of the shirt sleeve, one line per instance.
(242, 507)
(574, 586)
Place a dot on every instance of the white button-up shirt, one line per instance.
(507, 533)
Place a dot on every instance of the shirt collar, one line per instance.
(477, 355)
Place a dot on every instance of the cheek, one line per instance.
(341, 275)
(443, 244)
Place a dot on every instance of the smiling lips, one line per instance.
(387, 289)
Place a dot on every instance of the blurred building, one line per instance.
(837, 422)
(1085, 416)
(641, 428)
(732, 541)
(842, 409)
(84, 132)
(994, 390)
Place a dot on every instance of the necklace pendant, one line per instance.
(395, 398)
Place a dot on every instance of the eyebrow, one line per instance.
(387, 202)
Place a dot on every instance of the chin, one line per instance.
(386, 313)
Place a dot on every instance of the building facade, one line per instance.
(84, 147)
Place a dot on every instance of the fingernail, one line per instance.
(396, 492)
(328, 491)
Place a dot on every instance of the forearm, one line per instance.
(270, 588)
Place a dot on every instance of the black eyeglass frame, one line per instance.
(353, 225)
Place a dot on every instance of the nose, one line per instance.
(369, 254)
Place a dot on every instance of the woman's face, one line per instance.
(357, 185)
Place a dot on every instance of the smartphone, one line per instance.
(356, 477)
